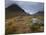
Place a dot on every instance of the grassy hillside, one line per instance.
(22, 24)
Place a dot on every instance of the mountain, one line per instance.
(39, 13)
(14, 10)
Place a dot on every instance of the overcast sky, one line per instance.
(31, 7)
(28, 7)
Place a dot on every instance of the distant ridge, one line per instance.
(39, 13)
